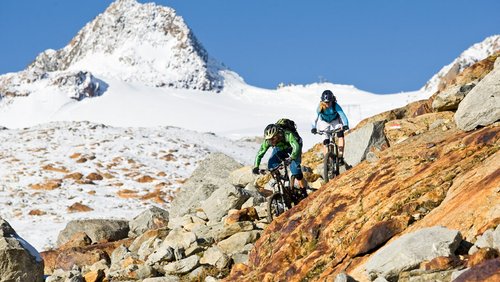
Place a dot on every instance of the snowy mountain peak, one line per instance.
(138, 43)
(474, 54)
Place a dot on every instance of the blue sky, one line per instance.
(377, 45)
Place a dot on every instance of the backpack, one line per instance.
(289, 125)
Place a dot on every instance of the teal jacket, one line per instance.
(331, 113)
(287, 141)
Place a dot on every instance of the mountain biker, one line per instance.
(286, 145)
(331, 115)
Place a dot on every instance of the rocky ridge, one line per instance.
(428, 173)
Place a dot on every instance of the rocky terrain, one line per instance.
(420, 202)
(418, 198)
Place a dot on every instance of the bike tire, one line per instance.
(275, 206)
(329, 167)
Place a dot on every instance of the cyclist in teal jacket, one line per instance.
(285, 146)
(331, 115)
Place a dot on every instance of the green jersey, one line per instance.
(288, 141)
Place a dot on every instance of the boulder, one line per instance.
(222, 200)
(450, 98)
(152, 218)
(210, 174)
(489, 239)
(99, 230)
(19, 261)
(182, 266)
(481, 107)
(363, 140)
(408, 251)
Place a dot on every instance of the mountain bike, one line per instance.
(285, 194)
(331, 161)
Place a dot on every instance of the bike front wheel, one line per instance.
(275, 206)
(330, 167)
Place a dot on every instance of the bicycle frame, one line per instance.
(283, 191)
(283, 183)
(331, 162)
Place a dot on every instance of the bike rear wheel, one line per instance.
(275, 206)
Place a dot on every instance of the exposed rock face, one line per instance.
(481, 106)
(19, 260)
(439, 177)
(125, 25)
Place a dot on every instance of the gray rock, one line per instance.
(240, 258)
(210, 174)
(182, 266)
(222, 200)
(481, 107)
(489, 239)
(60, 275)
(179, 238)
(160, 255)
(19, 261)
(420, 275)
(343, 277)
(449, 99)
(119, 254)
(237, 243)
(98, 230)
(231, 229)
(361, 141)
(408, 251)
(215, 256)
(152, 218)
(167, 278)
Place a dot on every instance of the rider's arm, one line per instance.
(262, 151)
(294, 143)
(315, 122)
(342, 115)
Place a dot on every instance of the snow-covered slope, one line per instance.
(239, 110)
(474, 54)
(56, 172)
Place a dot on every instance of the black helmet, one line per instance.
(271, 130)
(328, 96)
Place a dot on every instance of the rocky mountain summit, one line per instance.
(137, 43)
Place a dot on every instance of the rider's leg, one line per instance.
(341, 146)
(341, 143)
(274, 159)
(322, 126)
(296, 171)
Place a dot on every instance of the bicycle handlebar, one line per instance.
(283, 163)
(328, 131)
